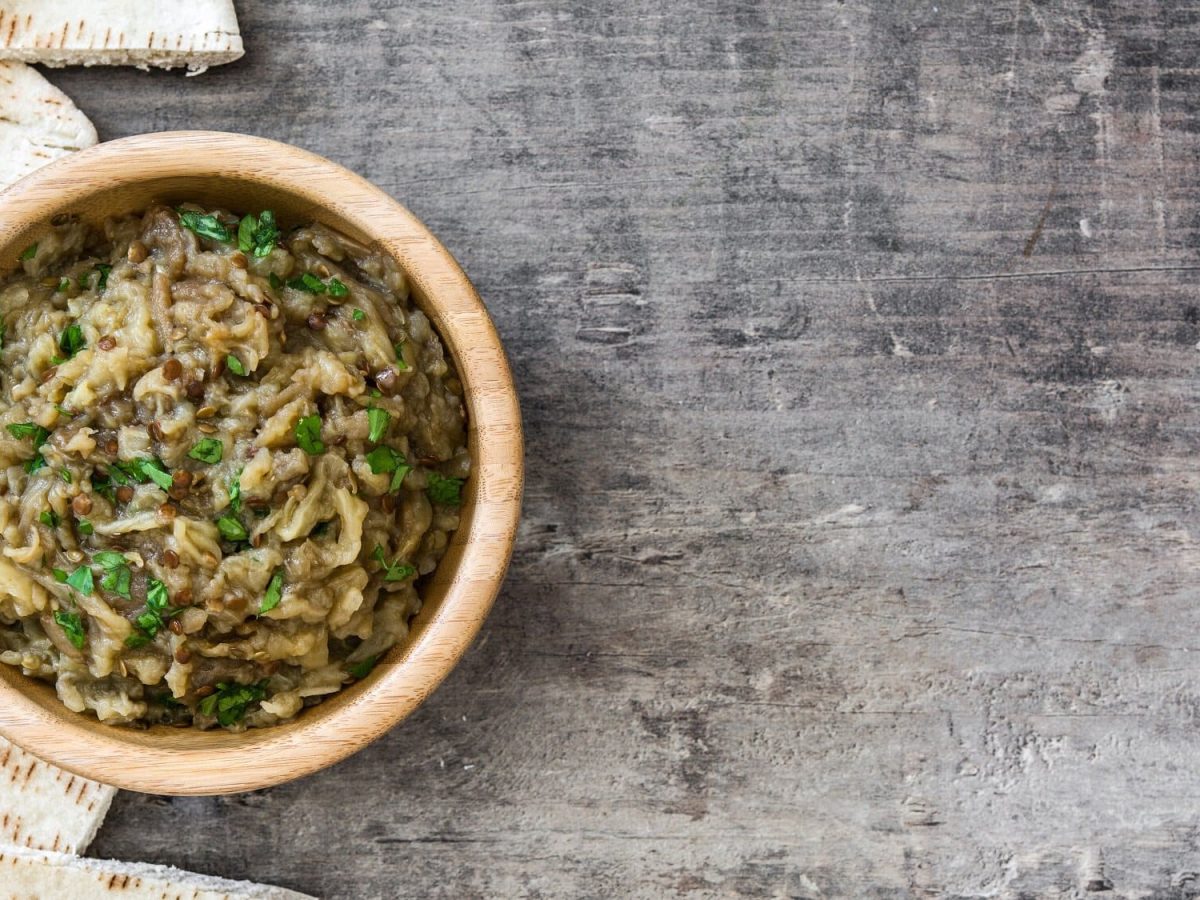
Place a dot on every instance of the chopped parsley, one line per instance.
(308, 435)
(337, 289)
(103, 269)
(81, 580)
(396, 571)
(23, 430)
(49, 518)
(362, 668)
(39, 435)
(65, 475)
(207, 450)
(156, 472)
(230, 701)
(358, 315)
(64, 285)
(276, 282)
(232, 529)
(84, 527)
(72, 626)
(309, 283)
(235, 493)
(102, 484)
(71, 341)
(378, 419)
(59, 575)
(234, 365)
(64, 411)
(29, 253)
(385, 459)
(205, 226)
(274, 593)
(154, 618)
(258, 234)
(117, 576)
(446, 491)
(400, 363)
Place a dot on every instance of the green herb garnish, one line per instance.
(358, 315)
(49, 518)
(81, 580)
(309, 283)
(117, 575)
(276, 281)
(39, 435)
(59, 575)
(234, 365)
(29, 253)
(206, 226)
(396, 571)
(64, 285)
(231, 529)
(400, 363)
(23, 430)
(446, 491)
(72, 626)
(156, 472)
(151, 621)
(207, 450)
(235, 493)
(103, 269)
(230, 702)
(337, 289)
(71, 341)
(378, 419)
(84, 527)
(308, 435)
(274, 593)
(385, 459)
(362, 669)
(257, 234)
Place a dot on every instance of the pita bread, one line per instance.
(192, 33)
(45, 808)
(38, 123)
(30, 875)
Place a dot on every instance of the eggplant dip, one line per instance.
(227, 456)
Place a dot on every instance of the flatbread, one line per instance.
(38, 123)
(45, 808)
(143, 33)
(30, 875)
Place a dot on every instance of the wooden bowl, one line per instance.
(243, 174)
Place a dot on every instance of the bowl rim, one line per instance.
(149, 761)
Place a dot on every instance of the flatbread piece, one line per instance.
(38, 123)
(44, 808)
(143, 33)
(30, 875)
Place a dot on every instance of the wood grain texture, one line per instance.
(859, 548)
(230, 171)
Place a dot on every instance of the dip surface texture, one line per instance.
(228, 453)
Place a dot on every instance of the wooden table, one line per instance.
(858, 347)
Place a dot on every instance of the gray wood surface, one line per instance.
(858, 348)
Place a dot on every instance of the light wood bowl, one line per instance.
(244, 174)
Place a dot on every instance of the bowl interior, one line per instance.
(247, 175)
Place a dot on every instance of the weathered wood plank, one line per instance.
(858, 344)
